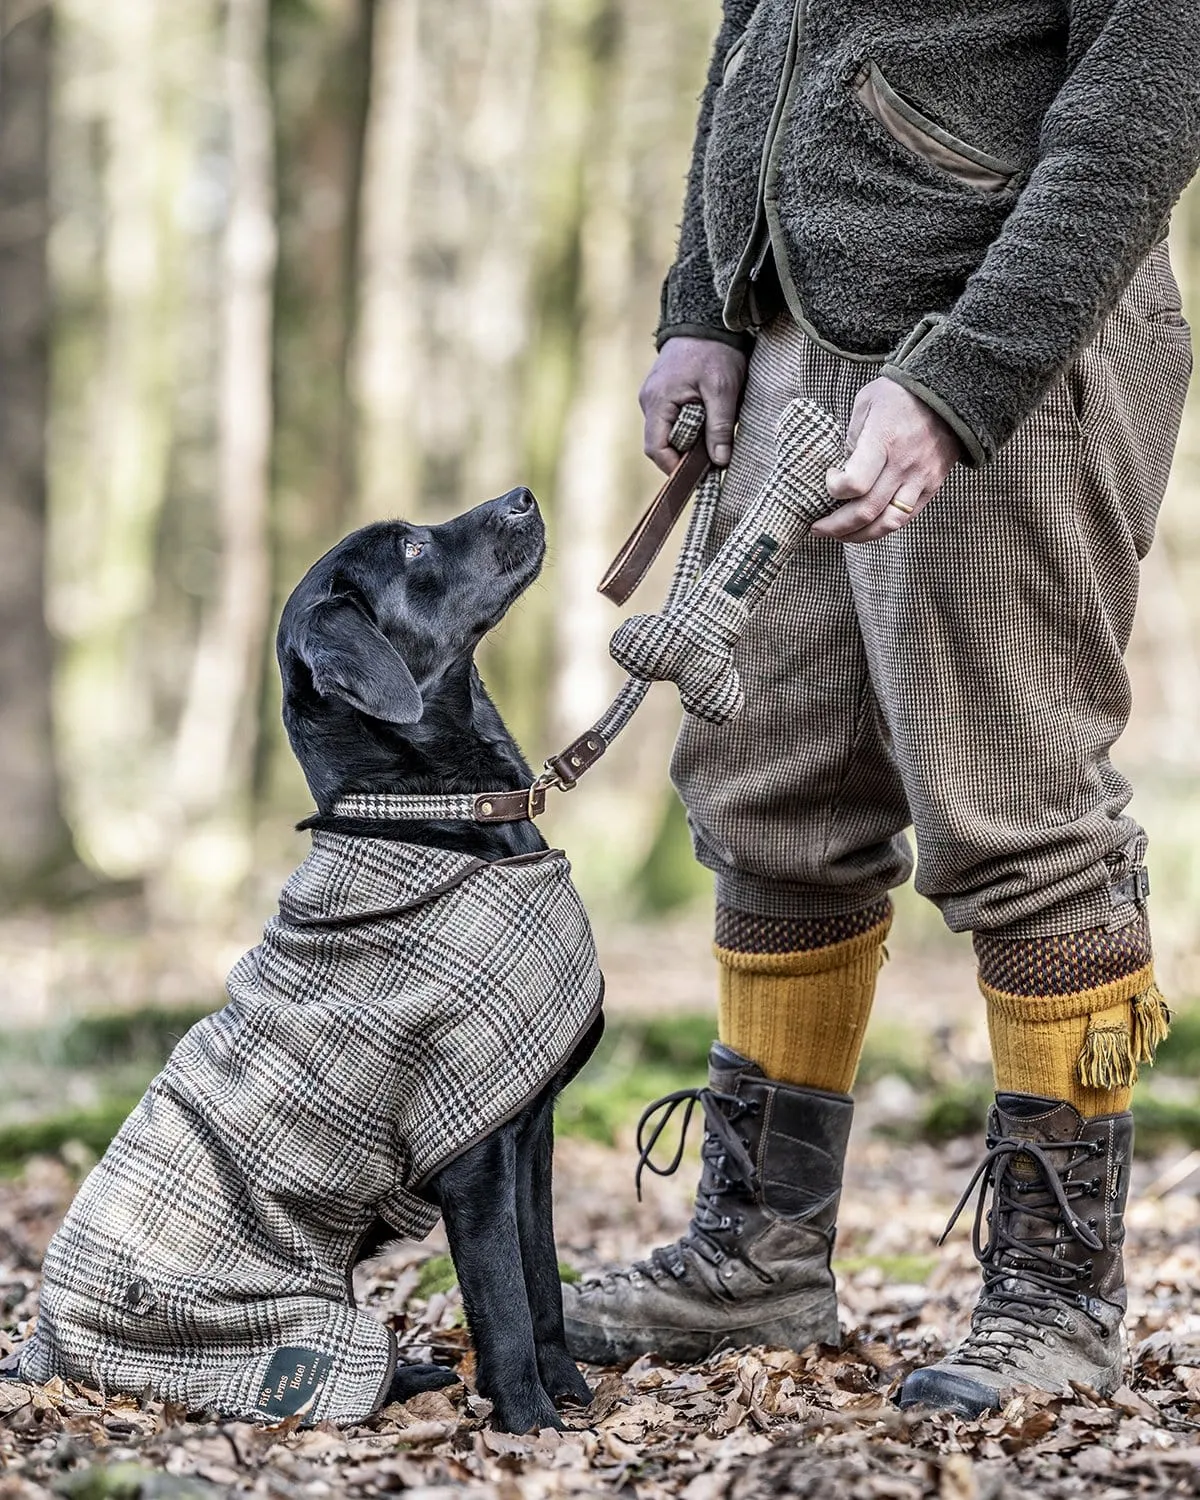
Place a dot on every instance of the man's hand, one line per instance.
(687, 369)
(900, 454)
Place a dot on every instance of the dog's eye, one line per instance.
(413, 549)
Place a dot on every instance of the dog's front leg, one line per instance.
(539, 1255)
(478, 1198)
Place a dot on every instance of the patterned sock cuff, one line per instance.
(1068, 963)
(1043, 1010)
(747, 932)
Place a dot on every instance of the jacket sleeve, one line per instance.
(1118, 146)
(690, 303)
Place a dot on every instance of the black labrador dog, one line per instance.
(381, 694)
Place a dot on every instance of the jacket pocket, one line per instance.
(920, 135)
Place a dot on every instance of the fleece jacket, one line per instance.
(957, 189)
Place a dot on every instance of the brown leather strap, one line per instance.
(632, 562)
(511, 807)
(579, 756)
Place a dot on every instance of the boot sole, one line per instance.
(940, 1391)
(945, 1390)
(685, 1346)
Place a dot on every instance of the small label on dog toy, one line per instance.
(292, 1381)
(751, 565)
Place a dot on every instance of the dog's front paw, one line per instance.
(524, 1411)
(411, 1380)
(561, 1378)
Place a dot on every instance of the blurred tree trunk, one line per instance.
(35, 844)
(603, 410)
(215, 747)
(125, 98)
(385, 353)
(320, 74)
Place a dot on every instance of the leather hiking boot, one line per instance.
(1053, 1278)
(753, 1266)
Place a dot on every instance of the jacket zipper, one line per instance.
(758, 246)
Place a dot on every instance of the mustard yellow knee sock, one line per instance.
(795, 995)
(1072, 1016)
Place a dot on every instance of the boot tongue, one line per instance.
(1029, 1117)
(727, 1068)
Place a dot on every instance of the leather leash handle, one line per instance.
(645, 542)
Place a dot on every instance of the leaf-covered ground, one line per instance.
(741, 1426)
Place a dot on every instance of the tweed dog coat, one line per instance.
(403, 1004)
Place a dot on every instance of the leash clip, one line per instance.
(535, 802)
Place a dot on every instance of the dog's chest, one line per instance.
(440, 1020)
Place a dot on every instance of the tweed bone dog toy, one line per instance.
(690, 642)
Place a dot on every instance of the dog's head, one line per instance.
(376, 643)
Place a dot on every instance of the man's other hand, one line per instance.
(900, 454)
(688, 369)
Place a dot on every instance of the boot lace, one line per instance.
(1025, 1283)
(728, 1169)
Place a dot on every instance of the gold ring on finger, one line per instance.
(900, 505)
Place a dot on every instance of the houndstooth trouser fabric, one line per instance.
(964, 675)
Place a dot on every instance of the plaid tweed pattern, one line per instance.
(747, 932)
(691, 641)
(1066, 963)
(209, 1253)
(963, 675)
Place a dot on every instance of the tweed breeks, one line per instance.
(964, 675)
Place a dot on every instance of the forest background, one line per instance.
(270, 269)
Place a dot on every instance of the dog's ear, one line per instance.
(350, 658)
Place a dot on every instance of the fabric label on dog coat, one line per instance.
(292, 1380)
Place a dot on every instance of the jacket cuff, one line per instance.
(742, 341)
(966, 383)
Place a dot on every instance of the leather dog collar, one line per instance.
(520, 806)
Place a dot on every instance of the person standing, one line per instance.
(944, 221)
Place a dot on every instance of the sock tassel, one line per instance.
(1106, 1059)
(1151, 1023)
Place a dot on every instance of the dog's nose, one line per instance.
(518, 503)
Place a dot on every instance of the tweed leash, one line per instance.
(690, 641)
